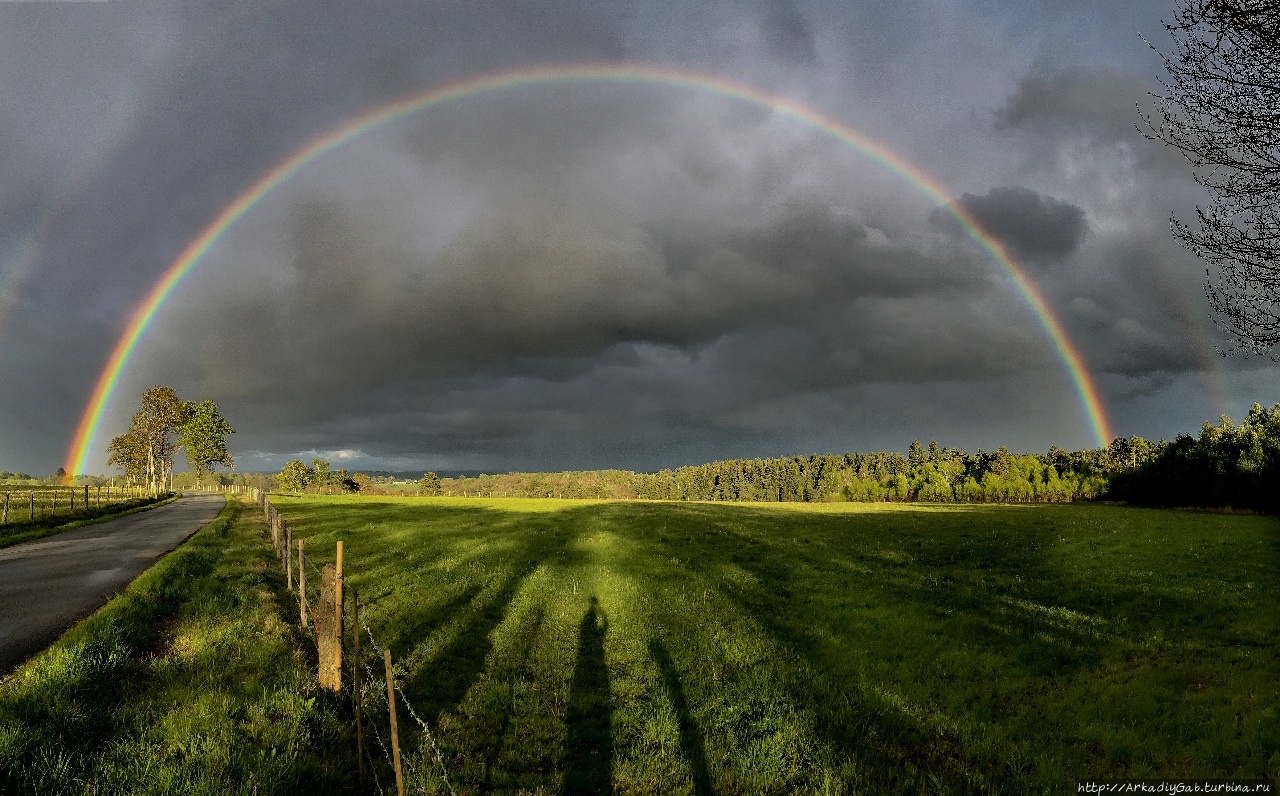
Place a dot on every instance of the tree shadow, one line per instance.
(690, 739)
(589, 745)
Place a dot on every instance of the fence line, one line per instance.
(43, 502)
(370, 693)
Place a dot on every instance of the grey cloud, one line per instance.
(788, 33)
(1080, 97)
(1037, 227)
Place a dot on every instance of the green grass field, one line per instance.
(562, 646)
(190, 682)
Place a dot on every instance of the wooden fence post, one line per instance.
(338, 594)
(355, 676)
(329, 629)
(32, 518)
(302, 584)
(73, 500)
(53, 507)
(395, 730)
(5, 517)
(86, 497)
(288, 558)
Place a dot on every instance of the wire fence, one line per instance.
(374, 697)
(41, 504)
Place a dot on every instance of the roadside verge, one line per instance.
(188, 681)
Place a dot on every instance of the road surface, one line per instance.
(49, 584)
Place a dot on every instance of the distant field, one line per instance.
(732, 648)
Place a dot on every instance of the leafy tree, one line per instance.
(320, 473)
(349, 485)
(129, 452)
(364, 481)
(157, 422)
(204, 438)
(1221, 108)
(429, 484)
(294, 476)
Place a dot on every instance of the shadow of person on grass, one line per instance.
(690, 739)
(589, 745)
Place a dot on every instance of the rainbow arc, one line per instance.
(86, 433)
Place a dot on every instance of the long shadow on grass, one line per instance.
(589, 745)
(690, 739)
(443, 683)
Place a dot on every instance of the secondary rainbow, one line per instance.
(87, 429)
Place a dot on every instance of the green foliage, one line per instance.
(129, 452)
(188, 682)
(204, 438)
(429, 484)
(816, 648)
(320, 475)
(938, 475)
(1228, 465)
(294, 477)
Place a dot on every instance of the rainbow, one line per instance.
(87, 429)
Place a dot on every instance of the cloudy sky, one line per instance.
(600, 273)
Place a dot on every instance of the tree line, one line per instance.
(932, 473)
(1227, 465)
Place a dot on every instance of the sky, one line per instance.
(601, 273)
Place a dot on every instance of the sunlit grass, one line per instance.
(779, 648)
(189, 682)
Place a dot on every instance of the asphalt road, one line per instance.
(49, 584)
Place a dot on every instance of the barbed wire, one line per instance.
(280, 533)
(426, 730)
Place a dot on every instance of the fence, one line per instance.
(373, 694)
(40, 503)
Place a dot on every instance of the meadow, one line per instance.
(573, 646)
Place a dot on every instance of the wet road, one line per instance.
(49, 584)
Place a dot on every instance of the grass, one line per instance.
(12, 534)
(190, 682)
(563, 646)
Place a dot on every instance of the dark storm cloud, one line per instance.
(1038, 228)
(585, 275)
(788, 33)
(535, 292)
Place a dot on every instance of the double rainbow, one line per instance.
(87, 430)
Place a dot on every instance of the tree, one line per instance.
(155, 424)
(129, 452)
(429, 484)
(320, 472)
(1221, 109)
(294, 476)
(204, 438)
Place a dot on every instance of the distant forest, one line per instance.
(1228, 464)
